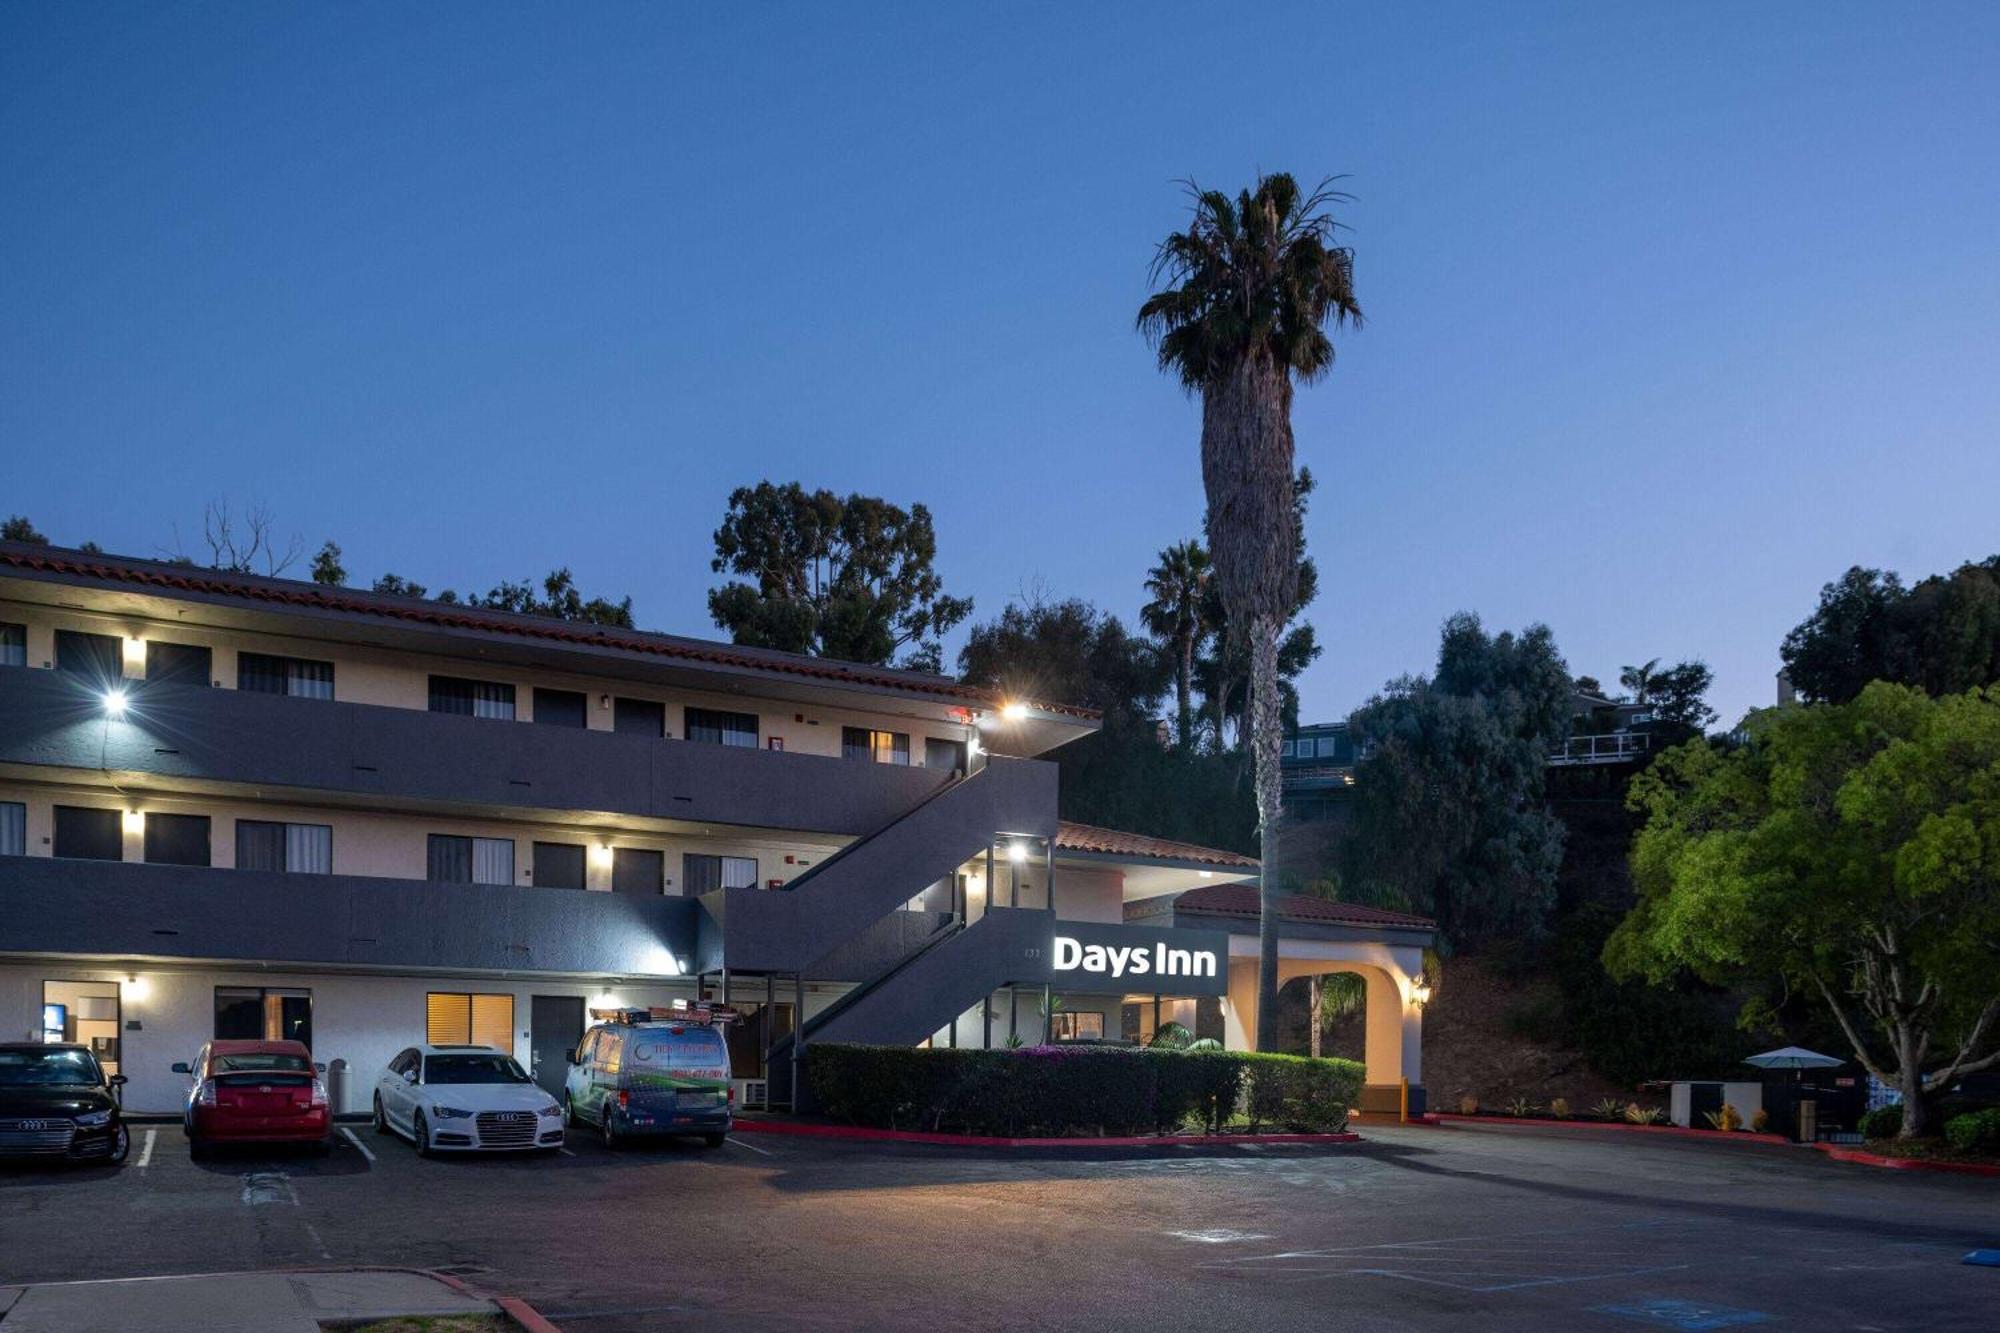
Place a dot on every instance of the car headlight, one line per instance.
(93, 1120)
(452, 1113)
(551, 1110)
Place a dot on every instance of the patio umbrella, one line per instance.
(1794, 1057)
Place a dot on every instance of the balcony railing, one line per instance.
(179, 734)
(1616, 748)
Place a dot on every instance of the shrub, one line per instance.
(1884, 1122)
(1468, 1105)
(1609, 1108)
(1522, 1106)
(1559, 1107)
(1298, 1093)
(1059, 1090)
(1760, 1121)
(1975, 1131)
(1728, 1120)
(1643, 1115)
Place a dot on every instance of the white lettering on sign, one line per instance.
(1135, 960)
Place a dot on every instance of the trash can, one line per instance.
(1808, 1120)
(336, 1086)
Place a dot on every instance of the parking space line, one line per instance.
(354, 1139)
(146, 1148)
(565, 1152)
(751, 1146)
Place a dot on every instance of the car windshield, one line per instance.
(473, 1067)
(47, 1069)
(258, 1062)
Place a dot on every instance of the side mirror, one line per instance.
(409, 1076)
(116, 1081)
(569, 1056)
(181, 1067)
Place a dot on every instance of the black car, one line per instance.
(55, 1103)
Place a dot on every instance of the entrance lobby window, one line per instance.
(1081, 1025)
(263, 1013)
(84, 1011)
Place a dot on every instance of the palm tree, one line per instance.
(1249, 288)
(1179, 587)
(1641, 680)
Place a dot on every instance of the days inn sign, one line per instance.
(1141, 960)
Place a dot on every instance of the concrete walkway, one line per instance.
(282, 1302)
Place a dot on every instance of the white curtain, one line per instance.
(491, 700)
(309, 849)
(13, 829)
(492, 860)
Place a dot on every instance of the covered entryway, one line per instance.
(1321, 938)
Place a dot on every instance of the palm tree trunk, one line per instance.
(1264, 741)
(1184, 687)
(1314, 992)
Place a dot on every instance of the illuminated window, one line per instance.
(1079, 1025)
(881, 747)
(455, 1018)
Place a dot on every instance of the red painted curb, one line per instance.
(856, 1133)
(1861, 1157)
(1681, 1131)
(525, 1315)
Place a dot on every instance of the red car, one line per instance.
(255, 1092)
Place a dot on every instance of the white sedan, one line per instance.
(465, 1099)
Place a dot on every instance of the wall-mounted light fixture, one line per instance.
(137, 988)
(1017, 851)
(135, 821)
(600, 854)
(1014, 711)
(135, 657)
(114, 702)
(1420, 991)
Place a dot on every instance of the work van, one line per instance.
(652, 1073)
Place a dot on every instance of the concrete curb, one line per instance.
(855, 1133)
(1855, 1156)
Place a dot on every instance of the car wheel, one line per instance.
(711, 1140)
(381, 1121)
(197, 1149)
(121, 1143)
(321, 1147)
(422, 1133)
(612, 1138)
(569, 1112)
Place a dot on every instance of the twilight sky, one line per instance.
(1674, 312)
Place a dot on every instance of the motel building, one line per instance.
(234, 806)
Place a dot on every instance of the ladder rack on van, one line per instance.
(703, 1011)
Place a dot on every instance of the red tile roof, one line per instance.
(1240, 900)
(170, 578)
(1073, 837)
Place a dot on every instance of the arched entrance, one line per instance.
(1394, 1023)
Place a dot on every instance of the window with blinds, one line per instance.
(472, 698)
(455, 1018)
(881, 747)
(301, 678)
(720, 728)
(13, 828)
(295, 849)
(701, 873)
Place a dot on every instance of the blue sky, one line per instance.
(1673, 311)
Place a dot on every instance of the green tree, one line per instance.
(19, 529)
(1178, 615)
(1679, 699)
(327, 569)
(398, 586)
(1449, 810)
(1122, 776)
(849, 578)
(1639, 679)
(1849, 851)
(558, 599)
(1942, 635)
(1251, 285)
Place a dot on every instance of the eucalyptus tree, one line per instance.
(1246, 292)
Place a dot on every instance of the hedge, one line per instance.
(1054, 1091)
(1975, 1131)
(1884, 1122)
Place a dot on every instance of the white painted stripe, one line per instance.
(146, 1148)
(350, 1137)
(565, 1152)
(751, 1146)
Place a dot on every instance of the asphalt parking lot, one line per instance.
(1455, 1229)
